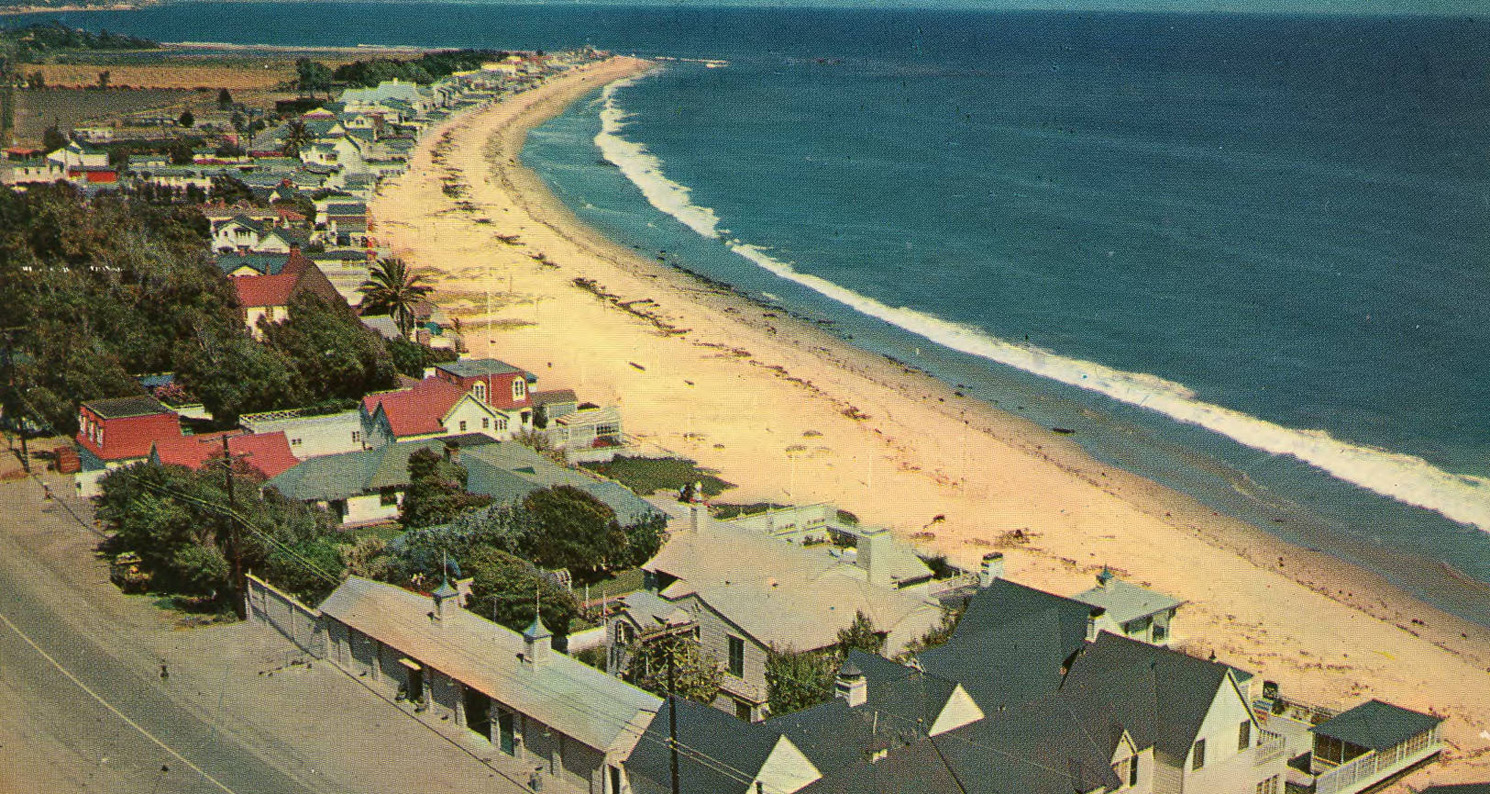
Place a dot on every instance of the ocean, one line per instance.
(1246, 256)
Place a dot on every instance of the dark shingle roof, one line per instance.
(1040, 747)
(1376, 725)
(477, 367)
(725, 742)
(1160, 696)
(121, 407)
(348, 474)
(1020, 660)
(918, 768)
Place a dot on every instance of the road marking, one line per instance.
(121, 715)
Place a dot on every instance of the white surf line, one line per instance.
(1405, 478)
(106, 704)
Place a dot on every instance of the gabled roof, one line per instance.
(573, 698)
(917, 768)
(258, 291)
(348, 474)
(1376, 725)
(124, 407)
(481, 367)
(553, 396)
(1160, 696)
(416, 411)
(269, 453)
(736, 752)
(1040, 747)
(1022, 660)
(1005, 602)
(266, 264)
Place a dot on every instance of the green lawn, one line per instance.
(650, 475)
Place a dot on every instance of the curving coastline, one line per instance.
(792, 413)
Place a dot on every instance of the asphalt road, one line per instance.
(107, 716)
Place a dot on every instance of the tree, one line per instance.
(573, 530)
(696, 673)
(392, 288)
(36, 81)
(436, 492)
(103, 79)
(411, 358)
(224, 99)
(308, 570)
(234, 375)
(860, 636)
(643, 539)
(507, 590)
(297, 137)
(186, 119)
(797, 680)
(180, 152)
(332, 354)
(52, 139)
(238, 121)
(312, 77)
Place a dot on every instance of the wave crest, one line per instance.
(1405, 478)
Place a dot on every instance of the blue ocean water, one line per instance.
(1247, 256)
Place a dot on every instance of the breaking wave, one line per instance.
(1406, 478)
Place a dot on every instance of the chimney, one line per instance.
(1104, 579)
(850, 685)
(992, 570)
(874, 555)
(697, 510)
(537, 643)
(446, 601)
(452, 452)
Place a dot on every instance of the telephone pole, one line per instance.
(672, 717)
(240, 608)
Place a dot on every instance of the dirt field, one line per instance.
(235, 75)
(37, 110)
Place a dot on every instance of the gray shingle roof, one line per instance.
(477, 367)
(332, 477)
(1126, 602)
(1041, 747)
(1376, 725)
(574, 698)
(734, 752)
(1008, 666)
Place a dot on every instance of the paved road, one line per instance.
(109, 717)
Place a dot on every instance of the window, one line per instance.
(1272, 785)
(1133, 771)
(502, 423)
(462, 425)
(485, 423)
(1244, 736)
(737, 657)
(519, 388)
(1197, 755)
(479, 390)
(294, 442)
(742, 710)
(356, 436)
(506, 732)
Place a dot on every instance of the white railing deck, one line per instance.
(1368, 769)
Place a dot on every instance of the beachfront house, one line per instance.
(1132, 611)
(788, 597)
(431, 408)
(117, 432)
(543, 718)
(267, 298)
(823, 523)
(1359, 748)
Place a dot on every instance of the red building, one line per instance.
(121, 430)
(493, 382)
(267, 453)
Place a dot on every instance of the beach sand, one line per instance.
(793, 414)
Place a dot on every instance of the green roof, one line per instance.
(1376, 725)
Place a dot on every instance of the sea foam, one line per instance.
(1406, 478)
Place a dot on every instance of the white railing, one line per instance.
(939, 586)
(1270, 749)
(1371, 768)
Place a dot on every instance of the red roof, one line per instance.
(268, 453)
(416, 411)
(265, 290)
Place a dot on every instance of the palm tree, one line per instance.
(391, 287)
(297, 136)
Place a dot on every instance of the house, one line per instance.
(788, 597)
(267, 298)
(236, 264)
(364, 487)
(1359, 748)
(560, 724)
(367, 487)
(1130, 610)
(432, 408)
(117, 432)
(554, 403)
(310, 433)
(269, 454)
(244, 234)
(589, 434)
(493, 382)
(822, 523)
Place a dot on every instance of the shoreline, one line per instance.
(1255, 600)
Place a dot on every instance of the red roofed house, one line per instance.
(471, 396)
(268, 453)
(268, 297)
(117, 432)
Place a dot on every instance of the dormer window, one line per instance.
(519, 389)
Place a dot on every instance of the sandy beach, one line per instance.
(792, 413)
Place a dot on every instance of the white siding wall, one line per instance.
(370, 509)
(318, 435)
(1227, 769)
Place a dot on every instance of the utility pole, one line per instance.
(672, 716)
(235, 548)
(13, 403)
